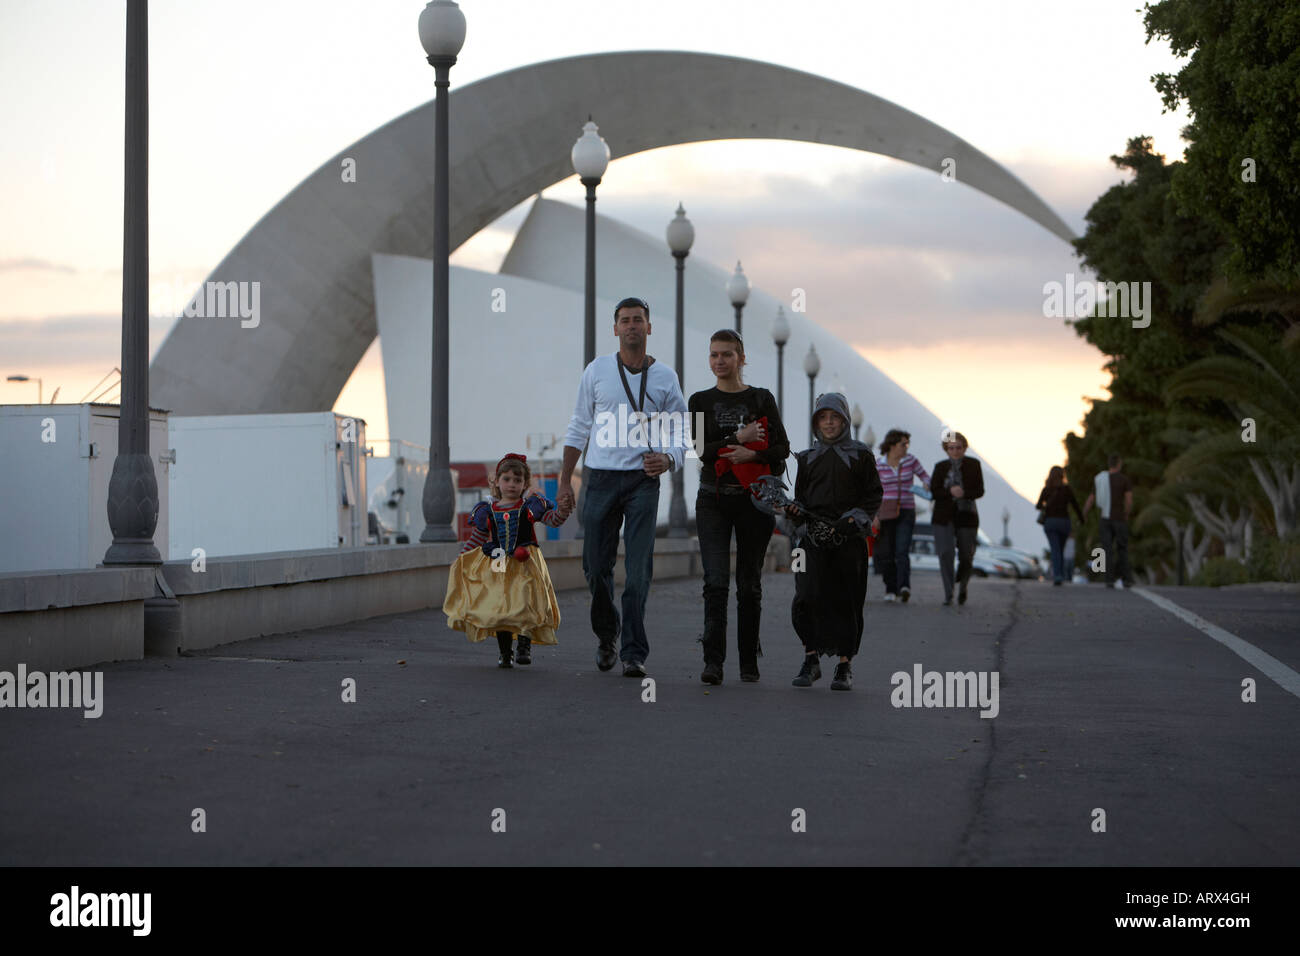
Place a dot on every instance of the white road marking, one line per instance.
(1269, 665)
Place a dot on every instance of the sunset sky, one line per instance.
(936, 283)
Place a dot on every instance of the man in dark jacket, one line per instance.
(957, 481)
(837, 481)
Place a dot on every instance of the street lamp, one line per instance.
(40, 386)
(871, 437)
(857, 419)
(811, 366)
(738, 292)
(681, 234)
(590, 157)
(133, 488)
(1006, 518)
(442, 33)
(780, 335)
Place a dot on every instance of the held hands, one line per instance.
(655, 463)
(956, 491)
(565, 500)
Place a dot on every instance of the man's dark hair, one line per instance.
(632, 302)
(1113, 460)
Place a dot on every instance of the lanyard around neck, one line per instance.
(637, 406)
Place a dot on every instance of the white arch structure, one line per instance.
(510, 138)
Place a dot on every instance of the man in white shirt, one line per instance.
(626, 454)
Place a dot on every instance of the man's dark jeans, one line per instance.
(893, 550)
(1114, 539)
(716, 517)
(611, 499)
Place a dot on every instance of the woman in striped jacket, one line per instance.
(897, 517)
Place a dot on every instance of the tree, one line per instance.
(1241, 85)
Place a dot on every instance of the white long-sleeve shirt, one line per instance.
(606, 425)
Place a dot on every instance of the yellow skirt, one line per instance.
(519, 599)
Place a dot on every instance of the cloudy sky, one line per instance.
(937, 284)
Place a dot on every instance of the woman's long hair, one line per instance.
(1056, 477)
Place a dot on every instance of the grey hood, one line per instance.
(846, 447)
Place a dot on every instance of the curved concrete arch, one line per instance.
(510, 138)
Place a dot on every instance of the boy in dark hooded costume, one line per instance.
(837, 482)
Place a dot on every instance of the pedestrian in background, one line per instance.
(1055, 501)
(958, 480)
(1113, 492)
(897, 517)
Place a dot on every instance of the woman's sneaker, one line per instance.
(811, 671)
(843, 679)
(891, 598)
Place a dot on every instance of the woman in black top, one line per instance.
(1054, 501)
(731, 413)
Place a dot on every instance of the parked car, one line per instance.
(925, 557)
(1026, 563)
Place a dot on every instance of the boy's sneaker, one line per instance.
(890, 598)
(904, 593)
(712, 674)
(749, 677)
(843, 677)
(811, 671)
(523, 652)
(1119, 585)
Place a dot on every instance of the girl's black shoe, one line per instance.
(523, 651)
(503, 643)
(843, 679)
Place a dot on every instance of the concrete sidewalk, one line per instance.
(1106, 702)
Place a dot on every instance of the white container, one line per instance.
(58, 460)
(251, 484)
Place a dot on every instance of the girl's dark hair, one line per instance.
(1055, 477)
(515, 465)
(892, 438)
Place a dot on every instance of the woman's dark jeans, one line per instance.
(716, 518)
(1058, 532)
(893, 550)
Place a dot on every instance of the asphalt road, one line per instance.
(1106, 702)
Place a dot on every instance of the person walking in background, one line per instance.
(1055, 501)
(743, 438)
(897, 517)
(958, 480)
(1113, 493)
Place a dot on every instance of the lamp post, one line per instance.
(780, 335)
(811, 366)
(681, 234)
(442, 33)
(857, 419)
(40, 386)
(590, 157)
(871, 437)
(133, 487)
(1006, 518)
(738, 293)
